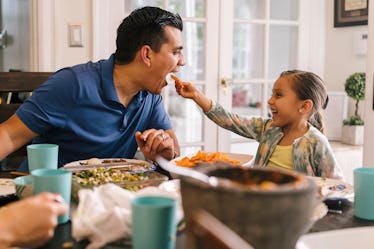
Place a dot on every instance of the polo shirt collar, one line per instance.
(108, 83)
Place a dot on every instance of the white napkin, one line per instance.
(103, 214)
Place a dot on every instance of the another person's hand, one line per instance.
(30, 222)
(154, 142)
(188, 90)
(185, 89)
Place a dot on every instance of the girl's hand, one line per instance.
(185, 89)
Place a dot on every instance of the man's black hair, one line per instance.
(144, 26)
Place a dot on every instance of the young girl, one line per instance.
(294, 137)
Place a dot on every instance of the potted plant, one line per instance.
(353, 127)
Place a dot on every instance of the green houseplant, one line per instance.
(355, 88)
(353, 126)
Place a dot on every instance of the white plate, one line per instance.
(171, 186)
(357, 238)
(7, 186)
(334, 188)
(98, 161)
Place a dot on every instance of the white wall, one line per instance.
(52, 50)
(76, 12)
(369, 114)
(340, 61)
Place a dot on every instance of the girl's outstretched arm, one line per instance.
(187, 90)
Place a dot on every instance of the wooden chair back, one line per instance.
(12, 83)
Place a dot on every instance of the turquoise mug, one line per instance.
(364, 193)
(54, 181)
(42, 156)
(153, 222)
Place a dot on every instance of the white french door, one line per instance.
(258, 40)
(234, 50)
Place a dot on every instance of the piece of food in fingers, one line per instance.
(178, 82)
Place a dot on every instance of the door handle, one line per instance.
(3, 39)
(225, 83)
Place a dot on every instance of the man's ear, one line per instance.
(145, 52)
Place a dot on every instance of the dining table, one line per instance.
(331, 221)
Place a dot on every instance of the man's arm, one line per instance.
(13, 135)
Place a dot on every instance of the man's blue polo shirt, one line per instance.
(78, 109)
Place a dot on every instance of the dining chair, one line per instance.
(207, 232)
(15, 87)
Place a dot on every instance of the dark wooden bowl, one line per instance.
(266, 217)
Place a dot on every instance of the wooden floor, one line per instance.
(349, 158)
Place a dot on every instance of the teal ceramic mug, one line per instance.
(54, 181)
(153, 222)
(42, 156)
(23, 185)
(364, 193)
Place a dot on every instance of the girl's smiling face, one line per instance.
(284, 104)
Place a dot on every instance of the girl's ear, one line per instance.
(145, 55)
(307, 106)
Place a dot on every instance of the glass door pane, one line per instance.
(194, 8)
(246, 99)
(194, 37)
(289, 9)
(187, 119)
(283, 47)
(14, 18)
(249, 9)
(248, 51)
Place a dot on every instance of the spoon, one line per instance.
(211, 180)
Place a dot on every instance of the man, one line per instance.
(111, 107)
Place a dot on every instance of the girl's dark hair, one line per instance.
(144, 26)
(308, 85)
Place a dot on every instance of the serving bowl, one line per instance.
(267, 208)
(23, 185)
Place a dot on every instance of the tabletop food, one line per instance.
(97, 176)
(128, 180)
(130, 174)
(204, 157)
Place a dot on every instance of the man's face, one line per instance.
(167, 60)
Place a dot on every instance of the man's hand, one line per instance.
(154, 142)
